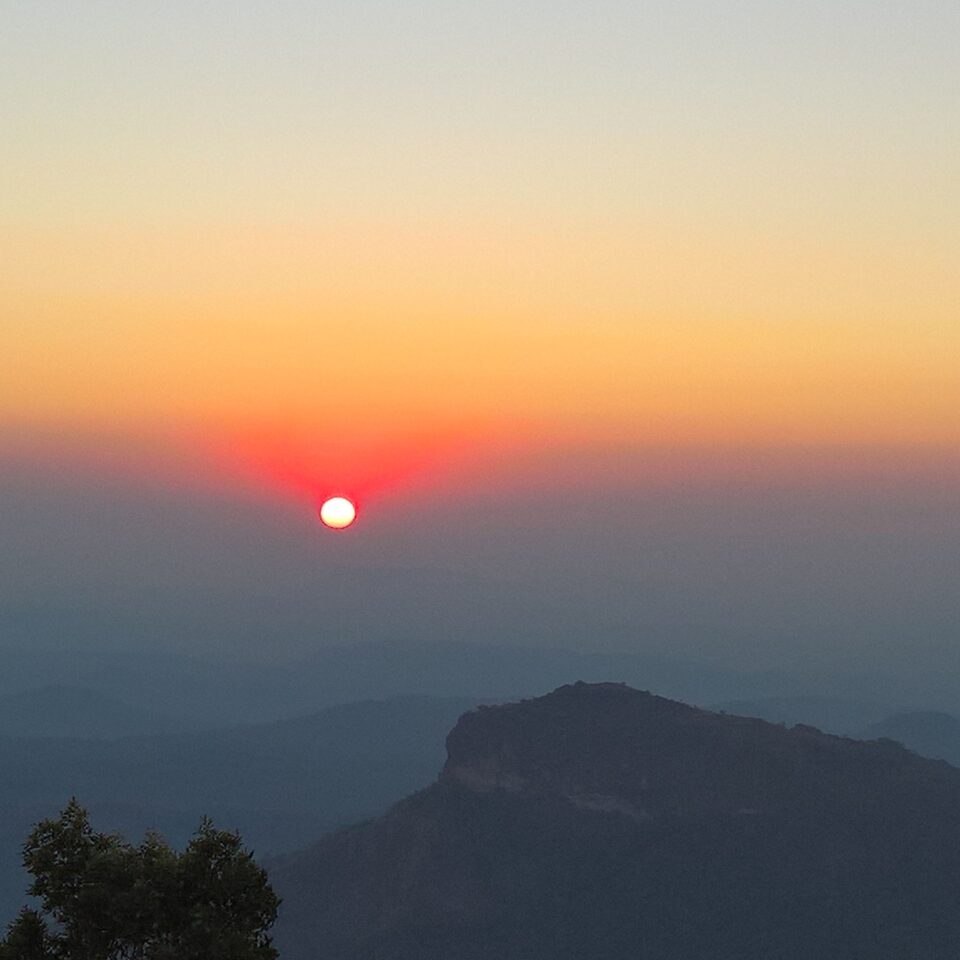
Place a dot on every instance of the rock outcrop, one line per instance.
(604, 822)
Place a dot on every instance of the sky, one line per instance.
(633, 319)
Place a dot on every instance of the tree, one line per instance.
(104, 899)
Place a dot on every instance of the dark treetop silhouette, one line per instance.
(103, 899)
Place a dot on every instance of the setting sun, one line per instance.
(337, 513)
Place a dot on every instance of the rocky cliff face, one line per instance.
(608, 747)
(600, 821)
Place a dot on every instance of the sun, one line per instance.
(337, 513)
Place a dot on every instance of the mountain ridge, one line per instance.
(599, 819)
(69, 711)
(282, 784)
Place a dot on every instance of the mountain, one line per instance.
(603, 823)
(928, 732)
(831, 714)
(77, 712)
(204, 694)
(281, 784)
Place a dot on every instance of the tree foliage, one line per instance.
(105, 899)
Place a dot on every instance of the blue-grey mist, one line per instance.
(743, 584)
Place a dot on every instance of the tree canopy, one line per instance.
(102, 898)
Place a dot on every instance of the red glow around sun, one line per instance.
(314, 466)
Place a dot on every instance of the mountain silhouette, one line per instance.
(929, 732)
(603, 823)
(843, 716)
(282, 784)
(78, 713)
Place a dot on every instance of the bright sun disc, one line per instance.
(337, 513)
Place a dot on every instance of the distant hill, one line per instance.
(830, 714)
(282, 784)
(67, 711)
(201, 693)
(601, 823)
(929, 733)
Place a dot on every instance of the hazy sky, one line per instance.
(660, 297)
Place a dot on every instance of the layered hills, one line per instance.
(929, 732)
(604, 822)
(78, 713)
(282, 784)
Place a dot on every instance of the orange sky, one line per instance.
(699, 246)
(604, 331)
